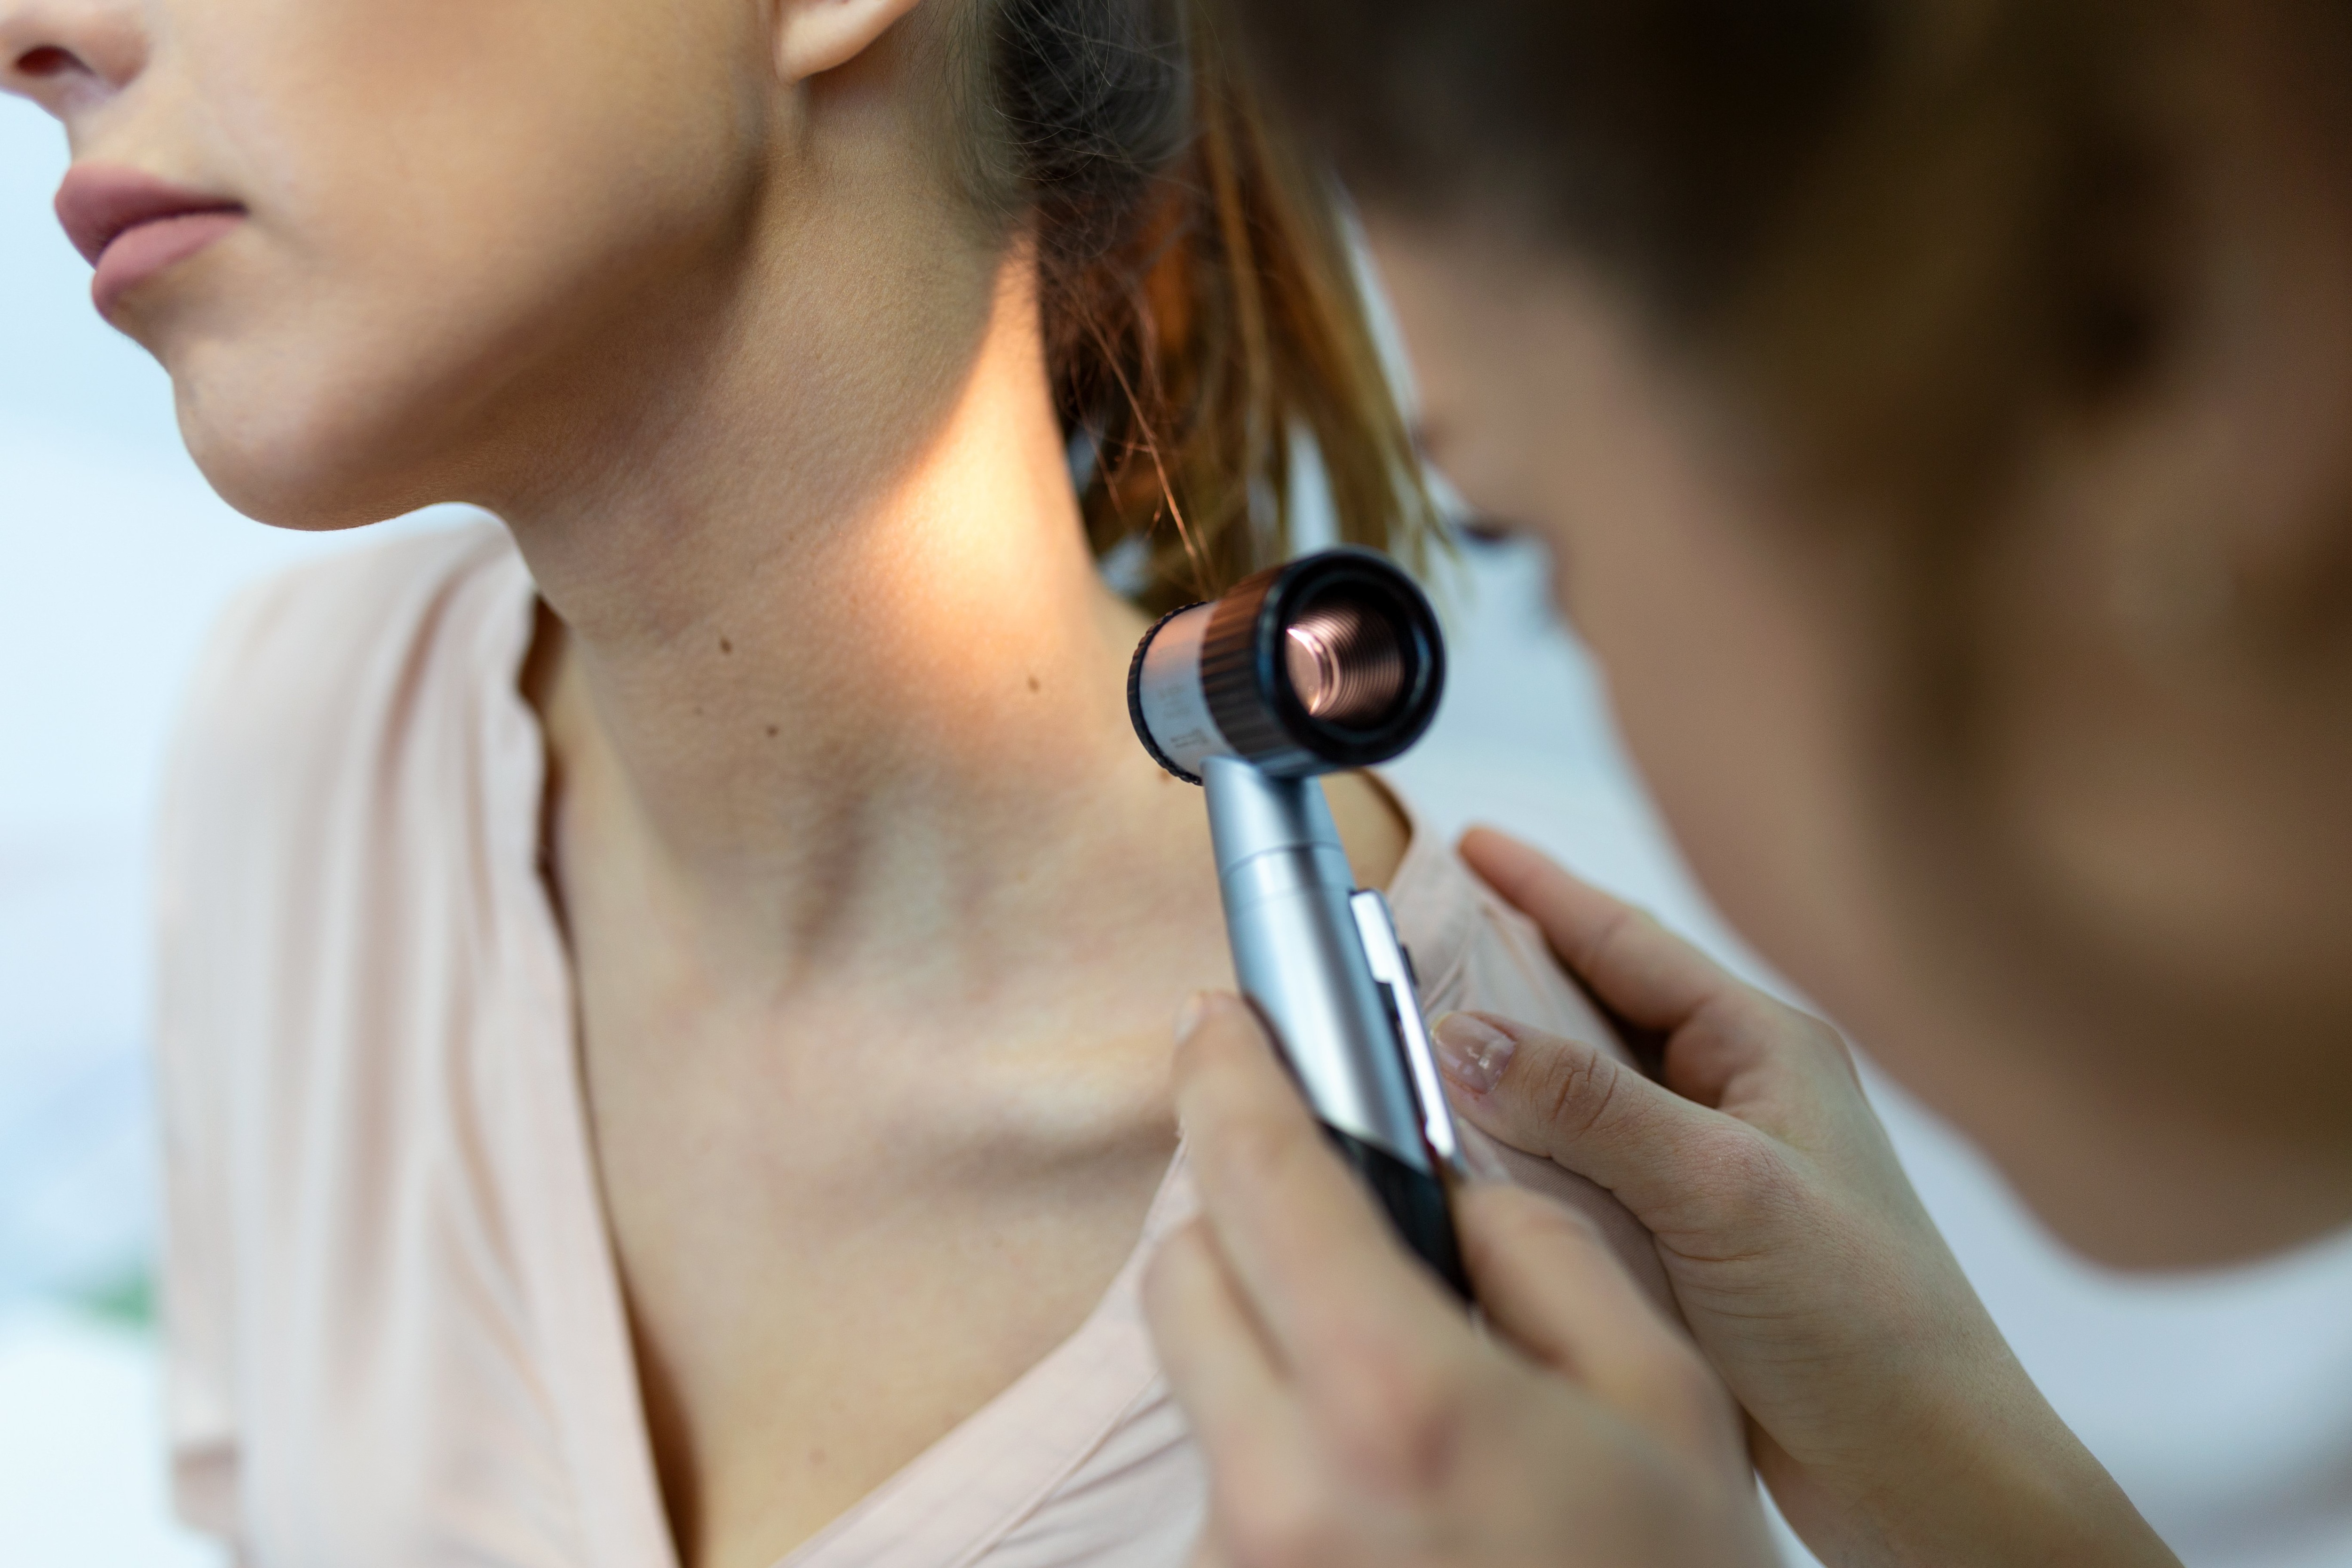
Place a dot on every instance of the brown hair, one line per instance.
(1202, 308)
(1838, 199)
(1903, 233)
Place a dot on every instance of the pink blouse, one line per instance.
(395, 1330)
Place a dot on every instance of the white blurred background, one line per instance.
(2223, 1404)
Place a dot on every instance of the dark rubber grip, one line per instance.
(1416, 1204)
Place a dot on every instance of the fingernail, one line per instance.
(1188, 1016)
(1473, 1052)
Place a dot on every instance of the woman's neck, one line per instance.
(834, 671)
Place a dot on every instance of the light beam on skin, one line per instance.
(865, 677)
(952, 574)
(965, 595)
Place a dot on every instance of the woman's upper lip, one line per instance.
(99, 200)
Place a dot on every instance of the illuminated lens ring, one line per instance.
(1359, 684)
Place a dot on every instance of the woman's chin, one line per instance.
(2168, 1195)
(302, 471)
(267, 489)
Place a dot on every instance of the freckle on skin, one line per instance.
(771, 732)
(726, 647)
(1033, 683)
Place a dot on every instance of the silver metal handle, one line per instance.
(1300, 955)
(1390, 968)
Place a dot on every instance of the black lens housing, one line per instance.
(1245, 673)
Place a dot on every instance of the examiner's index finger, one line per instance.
(1639, 969)
(1311, 1253)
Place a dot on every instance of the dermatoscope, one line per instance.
(1332, 661)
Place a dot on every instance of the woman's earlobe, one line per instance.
(817, 35)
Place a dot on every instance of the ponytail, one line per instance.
(1202, 308)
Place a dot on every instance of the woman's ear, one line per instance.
(816, 36)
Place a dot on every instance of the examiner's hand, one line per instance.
(1352, 1415)
(1886, 1411)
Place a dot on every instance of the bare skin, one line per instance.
(877, 910)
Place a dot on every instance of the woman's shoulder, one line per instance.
(1473, 951)
(315, 693)
(302, 634)
(299, 662)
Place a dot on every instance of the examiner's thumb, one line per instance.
(1576, 1106)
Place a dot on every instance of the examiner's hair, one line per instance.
(1201, 304)
(1911, 238)
(1896, 213)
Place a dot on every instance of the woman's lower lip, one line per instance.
(140, 252)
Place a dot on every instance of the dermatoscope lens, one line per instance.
(1334, 660)
(1346, 666)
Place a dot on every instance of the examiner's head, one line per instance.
(1941, 411)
